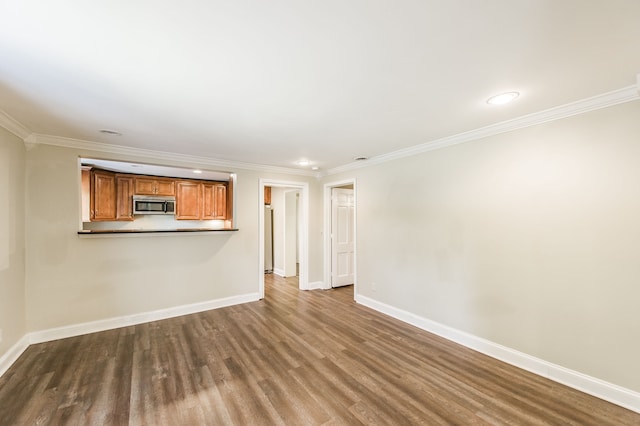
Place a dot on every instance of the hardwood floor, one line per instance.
(294, 358)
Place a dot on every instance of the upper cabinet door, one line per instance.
(214, 201)
(165, 187)
(124, 197)
(103, 195)
(145, 185)
(110, 196)
(221, 201)
(188, 200)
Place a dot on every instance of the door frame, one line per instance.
(303, 187)
(327, 231)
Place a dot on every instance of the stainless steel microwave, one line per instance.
(143, 204)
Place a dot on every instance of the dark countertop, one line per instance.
(149, 231)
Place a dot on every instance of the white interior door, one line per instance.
(342, 235)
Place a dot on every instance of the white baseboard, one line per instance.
(111, 323)
(16, 350)
(279, 272)
(13, 354)
(315, 285)
(609, 392)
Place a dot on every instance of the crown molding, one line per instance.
(13, 125)
(626, 94)
(148, 154)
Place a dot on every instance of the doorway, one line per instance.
(294, 258)
(281, 238)
(340, 234)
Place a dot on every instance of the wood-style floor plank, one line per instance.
(294, 358)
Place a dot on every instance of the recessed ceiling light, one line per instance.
(303, 163)
(197, 172)
(315, 168)
(110, 132)
(503, 98)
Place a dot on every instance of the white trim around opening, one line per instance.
(303, 280)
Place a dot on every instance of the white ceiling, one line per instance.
(272, 82)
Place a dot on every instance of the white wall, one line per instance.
(530, 239)
(290, 232)
(74, 280)
(277, 206)
(12, 244)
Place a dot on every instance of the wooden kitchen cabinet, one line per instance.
(102, 195)
(214, 201)
(124, 197)
(267, 195)
(151, 185)
(197, 200)
(188, 200)
(110, 196)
